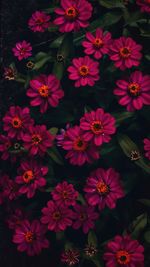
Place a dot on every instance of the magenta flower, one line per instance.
(10, 189)
(147, 147)
(65, 194)
(84, 217)
(134, 92)
(31, 177)
(125, 52)
(5, 145)
(39, 21)
(97, 45)
(144, 5)
(103, 188)
(97, 126)
(37, 140)
(70, 257)
(30, 237)
(60, 137)
(79, 150)
(57, 217)
(16, 218)
(124, 251)
(73, 15)
(16, 121)
(85, 71)
(45, 91)
(22, 50)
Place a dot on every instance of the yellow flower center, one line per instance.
(98, 42)
(97, 127)
(16, 122)
(29, 237)
(134, 89)
(36, 139)
(79, 145)
(43, 91)
(125, 52)
(56, 216)
(71, 13)
(102, 188)
(28, 176)
(84, 70)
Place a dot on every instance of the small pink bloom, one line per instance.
(144, 5)
(16, 218)
(5, 145)
(97, 126)
(79, 150)
(147, 147)
(125, 52)
(37, 140)
(85, 71)
(70, 257)
(57, 217)
(134, 92)
(84, 217)
(22, 50)
(65, 194)
(98, 44)
(10, 190)
(73, 15)
(39, 21)
(10, 73)
(103, 188)
(16, 121)
(45, 91)
(60, 137)
(30, 237)
(31, 177)
(124, 251)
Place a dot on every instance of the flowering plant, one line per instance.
(74, 141)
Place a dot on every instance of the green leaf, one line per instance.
(112, 4)
(120, 117)
(147, 236)
(146, 202)
(55, 155)
(128, 146)
(53, 130)
(40, 59)
(92, 239)
(96, 262)
(138, 225)
(57, 42)
(81, 199)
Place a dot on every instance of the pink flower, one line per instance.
(79, 150)
(22, 50)
(45, 91)
(65, 194)
(97, 126)
(30, 237)
(97, 45)
(147, 147)
(60, 137)
(125, 52)
(124, 251)
(31, 177)
(85, 71)
(57, 217)
(16, 121)
(10, 189)
(134, 92)
(103, 188)
(73, 15)
(39, 21)
(144, 5)
(37, 140)
(5, 145)
(70, 257)
(16, 218)
(84, 217)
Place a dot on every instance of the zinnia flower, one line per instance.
(73, 15)
(103, 188)
(144, 5)
(57, 217)
(16, 218)
(45, 91)
(5, 144)
(123, 251)
(10, 189)
(70, 257)
(134, 92)
(84, 217)
(79, 150)
(22, 50)
(147, 147)
(97, 45)
(16, 121)
(37, 140)
(85, 71)
(31, 177)
(125, 52)
(97, 126)
(65, 194)
(39, 21)
(10, 73)
(30, 237)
